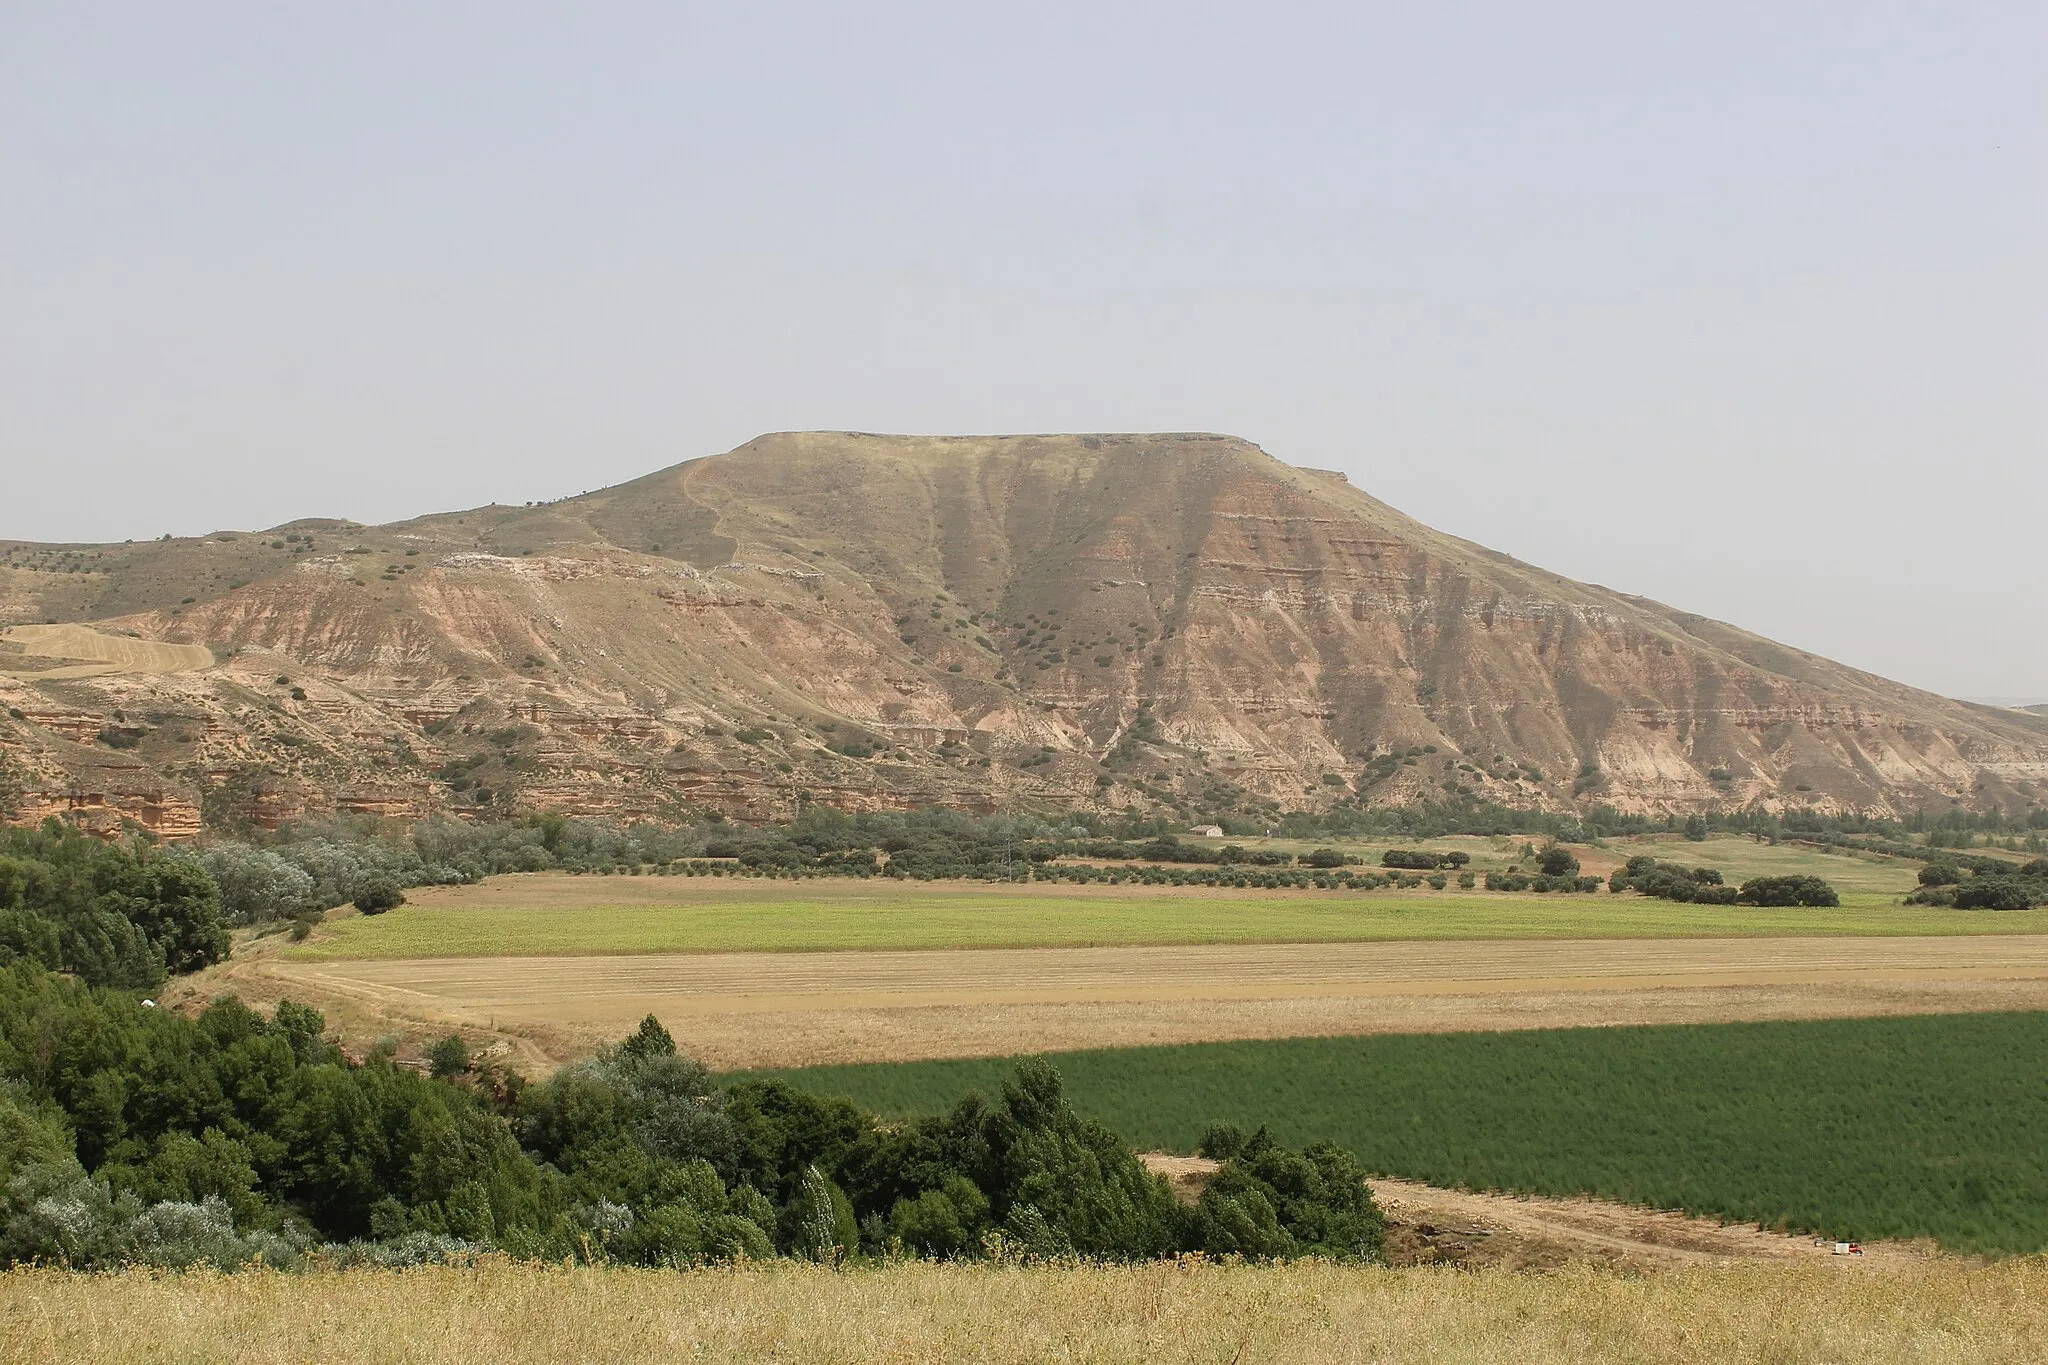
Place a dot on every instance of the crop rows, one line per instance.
(1864, 1128)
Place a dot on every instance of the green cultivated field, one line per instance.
(1740, 859)
(1862, 1128)
(848, 914)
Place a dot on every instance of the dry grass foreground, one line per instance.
(105, 654)
(740, 1010)
(505, 1314)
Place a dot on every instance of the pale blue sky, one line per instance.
(1741, 307)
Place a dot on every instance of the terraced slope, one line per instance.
(977, 622)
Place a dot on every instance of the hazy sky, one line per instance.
(1743, 307)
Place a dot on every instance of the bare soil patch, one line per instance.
(1431, 1226)
(102, 654)
(739, 1010)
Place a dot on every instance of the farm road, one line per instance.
(786, 1009)
(1431, 1226)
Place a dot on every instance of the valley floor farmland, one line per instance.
(1940, 1311)
(782, 1009)
(550, 914)
(1864, 1128)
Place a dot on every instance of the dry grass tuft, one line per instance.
(1304, 1314)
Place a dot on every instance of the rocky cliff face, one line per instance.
(1176, 622)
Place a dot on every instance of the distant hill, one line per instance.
(1174, 622)
(2028, 704)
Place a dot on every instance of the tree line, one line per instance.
(1980, 883)
(113, 914)
(131, 1134)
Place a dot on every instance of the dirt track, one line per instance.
(782, 1009)
(1431, 1226)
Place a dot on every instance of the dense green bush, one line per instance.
(132, 1134)
(1268, 1203)
(261, 1115)
(1541, 881)
(1423, 860)
(1983, 884)
(117, 915)
(378, 894)
(1784, 891)
(1673, 882)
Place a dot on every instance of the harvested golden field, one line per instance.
(738, 1010)
(1938, 1311)
(102, 654)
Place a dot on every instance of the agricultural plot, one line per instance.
(799, 1009)
(1870, 1128)
(556, 914)
(1740, 859)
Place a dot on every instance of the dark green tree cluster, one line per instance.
(1672, 881)
(113, 914)
(1788, 891)
(1983, 884)
(1422, 859)
(1269, 1203)
(132, 1134)
(1556, 870)
(1514, 879)
(1705, 886)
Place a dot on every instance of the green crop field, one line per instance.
(1863, 1128)
(766, 915)
(1740, 859)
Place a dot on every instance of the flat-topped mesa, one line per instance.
(1179, 623)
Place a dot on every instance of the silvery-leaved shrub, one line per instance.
(410, 1249)
(57, 1215)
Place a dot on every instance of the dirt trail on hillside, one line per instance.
(787, 1009)
(1431, 1226)
(106, 654)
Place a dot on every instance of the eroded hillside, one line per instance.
(1177, 622)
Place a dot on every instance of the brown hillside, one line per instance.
(1171, 621)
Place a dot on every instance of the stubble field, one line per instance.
(752, 1009)
(756, 972)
